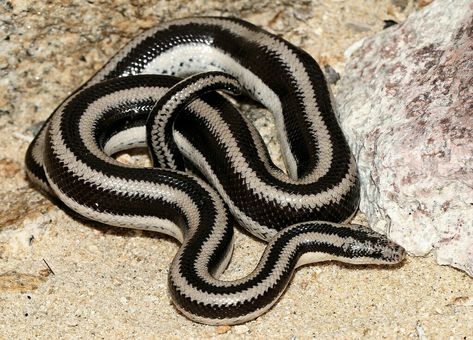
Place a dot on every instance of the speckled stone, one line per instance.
(406, 106)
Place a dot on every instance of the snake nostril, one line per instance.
(401, 254)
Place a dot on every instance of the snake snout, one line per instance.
(387, 251)
(396, 253)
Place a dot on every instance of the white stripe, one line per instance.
(142, 222)
(134, 137)
(96, 110)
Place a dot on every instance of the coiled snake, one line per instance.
(136, 99)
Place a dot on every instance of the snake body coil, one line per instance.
(127, 105)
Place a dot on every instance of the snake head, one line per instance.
(365, 246)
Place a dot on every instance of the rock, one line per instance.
(21, 282)
(406, 106)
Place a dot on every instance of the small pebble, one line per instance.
(242, 329)
(34, 129)
(389, 23)
(223, 329)
(332, 76)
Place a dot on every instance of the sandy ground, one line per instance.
(63, 279)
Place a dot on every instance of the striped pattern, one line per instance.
(125, 105)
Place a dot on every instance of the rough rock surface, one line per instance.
(406, 105)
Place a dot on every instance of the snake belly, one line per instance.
(127, 105)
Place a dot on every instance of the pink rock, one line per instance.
(406, 106)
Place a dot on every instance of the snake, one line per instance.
(172, 90)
